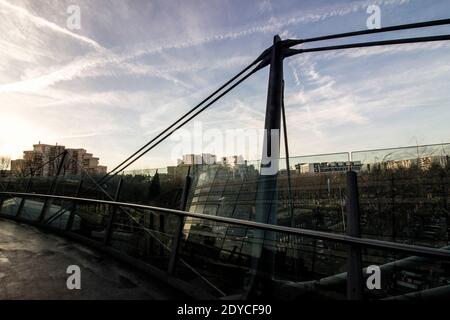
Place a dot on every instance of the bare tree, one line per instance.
(5, 161)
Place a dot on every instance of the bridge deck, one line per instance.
(33, 266)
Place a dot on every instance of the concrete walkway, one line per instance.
(33, 265)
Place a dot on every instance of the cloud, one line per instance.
(273, 24)
(136, 87)
(325, 107)
(103, 58)
(323, 104)
(43, 23)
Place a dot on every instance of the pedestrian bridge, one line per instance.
(237, 239)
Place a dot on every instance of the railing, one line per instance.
(158, 240)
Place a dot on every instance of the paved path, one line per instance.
(33, 266)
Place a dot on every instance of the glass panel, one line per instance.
(32, 209)
(10, 206)
(156, 187)
(144, 235)
(316, 198)
(90, 220)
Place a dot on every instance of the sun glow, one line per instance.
(17, 135)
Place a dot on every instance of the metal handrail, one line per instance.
(401, 148)
(327, 236)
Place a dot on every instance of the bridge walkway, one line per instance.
(33, 265)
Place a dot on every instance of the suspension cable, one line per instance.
(257, 68)
(292, 52)
(185, 115)
(433, 23)
(288, 167)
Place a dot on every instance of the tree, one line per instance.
(5, 161)
(155, 187)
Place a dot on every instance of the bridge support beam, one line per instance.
(179, 228)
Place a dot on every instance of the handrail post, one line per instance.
(354, 262)
(69, 224)
(179, 228)
(22, 200)
(152, 227)
(52, 187)
(108, 230)
(161, 232)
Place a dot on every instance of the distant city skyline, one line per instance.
(136, 66)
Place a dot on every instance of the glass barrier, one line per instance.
(403, 198)
(10, 205)
(404, 194)
(311, 196)
(299, 267)
(144, 235)
(90, 220)
(162, 189)
(318, 189)
(224, 259)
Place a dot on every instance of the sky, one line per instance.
(135, 66)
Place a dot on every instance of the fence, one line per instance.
(307, 263)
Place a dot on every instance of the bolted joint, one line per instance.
(284, 49)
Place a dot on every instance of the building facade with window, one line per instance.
(44, 160)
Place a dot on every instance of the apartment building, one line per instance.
(44, 159)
